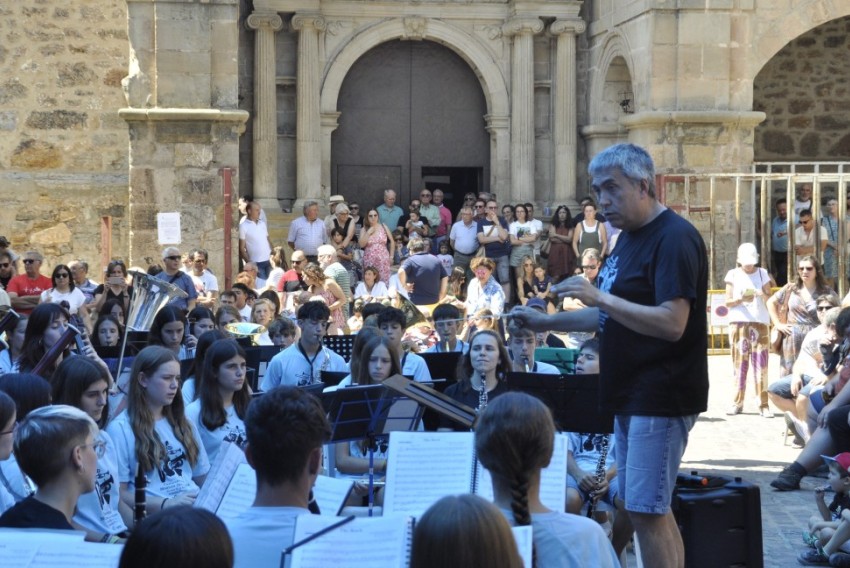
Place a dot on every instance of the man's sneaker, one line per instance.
(813, 557)
(839, 559)
(787, 480)
(734, 409)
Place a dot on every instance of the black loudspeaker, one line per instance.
(720, 521)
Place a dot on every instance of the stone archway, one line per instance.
(476, 54)
(613, 77)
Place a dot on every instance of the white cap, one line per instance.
(748, 255)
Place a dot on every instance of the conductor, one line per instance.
(649, 308)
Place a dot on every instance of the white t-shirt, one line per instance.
(231, 431)
(206, 282)
(14, 481)
(98, 510)
(5, 361)
(587, 449)
(75, 298)
(538, 228)
(460, 347)
(261, 533)
(756, 310)
(168, 479)
(188, 393)
(256, 237)
(379, 290)
(291, 367)
(412, 365)
(518, 229)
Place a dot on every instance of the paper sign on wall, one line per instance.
(168, 228)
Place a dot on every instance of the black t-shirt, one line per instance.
(33, 514)
(643, 375)
(402, 224)
(553, 340)
(5, 281)
(469, 397)
(495, 249)
(426, 272)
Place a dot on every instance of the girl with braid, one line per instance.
(514, 440)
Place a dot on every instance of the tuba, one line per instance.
(149, 296)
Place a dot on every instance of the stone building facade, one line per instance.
(120, 109)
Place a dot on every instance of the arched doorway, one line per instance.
(411, 114)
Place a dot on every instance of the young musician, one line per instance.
(377, 362)
(57, 447)
(8, 417)
(393, 322)
(514, 439)
(190, 389)
(521, 346)
(485, 364)
(303, 362)
(80, 383)
(463, 530)
(153, 435)
(201, 320)
(182, 536)
(10, 355)
(47, 323)
(219, 412)
(447, 319)
(169, 330)
(286, 429)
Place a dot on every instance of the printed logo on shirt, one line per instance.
(173, 465)
(605, 281)
(236, 436)
(103, 485)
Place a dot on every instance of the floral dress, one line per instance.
(803, 317)
(376, 254)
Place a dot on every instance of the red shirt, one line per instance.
(22, 285)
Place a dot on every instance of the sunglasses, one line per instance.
(172, 258)
(30, 260)
(62, 275)
(824, 308)
(4, 265)
(297, 261)
(806, 268)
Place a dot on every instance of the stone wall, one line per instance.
(804, 91)
(63, 149)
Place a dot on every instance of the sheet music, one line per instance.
(484, 485)
(239, 495)
(230, 457)
(362, 543)
(422, 467)
(330, 493)
(48, 554)
(16, 554)
(553, 479)
(522, 536)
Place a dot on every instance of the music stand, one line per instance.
(257, 358)
(435, 400)
(369, 412)
(333, 378)
(561, 357)
(573, 400)
(342, 345)
(443, 366)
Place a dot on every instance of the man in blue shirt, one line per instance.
(779, 243)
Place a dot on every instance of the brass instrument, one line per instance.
(246, 329)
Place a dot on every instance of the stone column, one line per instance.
(522, 105)
(500, 155)
(308, 121)
(264, 124)
(564, 104)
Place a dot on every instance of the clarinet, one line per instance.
(600, 474)
(140, 509)
(482, 395)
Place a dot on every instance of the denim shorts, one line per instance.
(782, 387)
(610, 496)
(503, 269)
(649, 452)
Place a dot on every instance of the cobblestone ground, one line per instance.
(751, 447)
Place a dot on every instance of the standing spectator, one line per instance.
(524, 235)
(830, 251)
(173, 275)
(747, 286)
(589, 233)
(414, 205)
(464, 239)
(206, 284)
(244, 200)
(278, 260)
(802, 202)
(538, 225)
(562, 258)
(307, 233)
(779, 243)
(493, 235)
(480, 210)
(387, 211)
(63, 290)
(254, 242)
(343, 222)
(805, 235)
(114, 287)
(323, 285)
(292, 281)
(80, 275)
(374, 240)
(423, 275)
(25, 289)
(445, 225)
(333, 204)
(508, 213)
(429, 211)
(354, 210)
(468, 201)
(7, 269)
(334, 269)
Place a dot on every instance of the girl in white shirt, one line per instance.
(155, 435)
(219, 411)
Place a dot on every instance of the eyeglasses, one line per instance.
(479, 207)
(805, 268)
(297, 261)
(30, 260)
(354, 208)
(824, 308)
(12, 431)
(175, 257)
(62, 275)
(4, 265)
(99, 447)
